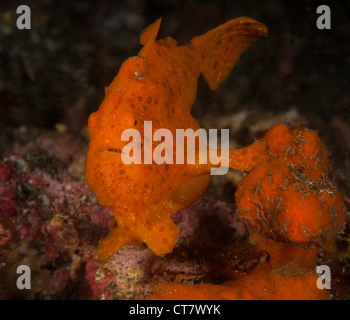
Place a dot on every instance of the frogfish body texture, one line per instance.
(158, 85)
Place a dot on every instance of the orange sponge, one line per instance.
(288, 198)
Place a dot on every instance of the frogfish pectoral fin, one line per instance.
(115, 239)
(162, 236)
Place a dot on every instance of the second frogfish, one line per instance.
(160, 85)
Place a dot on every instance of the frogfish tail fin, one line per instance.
(151, 32)
(220, 48)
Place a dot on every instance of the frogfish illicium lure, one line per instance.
(160, 85)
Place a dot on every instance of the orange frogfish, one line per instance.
(160, 85)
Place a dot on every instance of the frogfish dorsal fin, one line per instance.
(220, 48)
(151, 32)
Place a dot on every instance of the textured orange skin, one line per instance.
(300, 148)
(288, 198)
(160, 85)
(291, 211)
